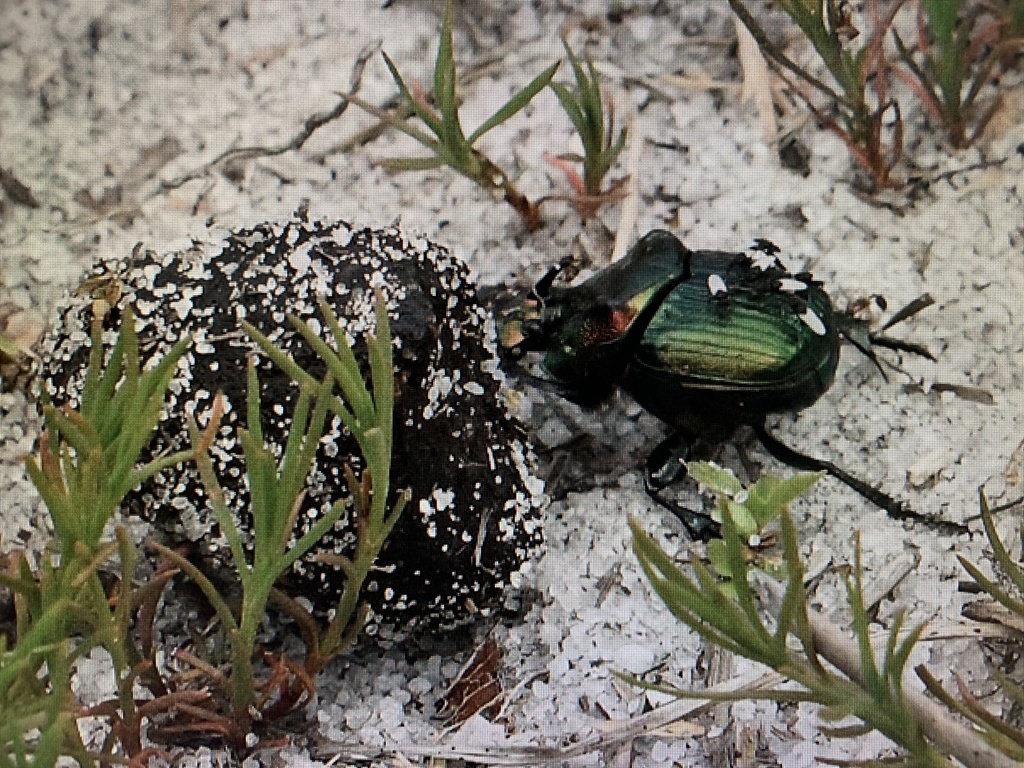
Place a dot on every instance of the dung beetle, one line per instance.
(707, 341)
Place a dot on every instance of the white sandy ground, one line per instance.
(195, 78)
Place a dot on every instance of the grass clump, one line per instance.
(736, 605)
(961, 52)
(857, 106)
(87, 463)
(438, 127)
(444, 135)
(601, 146)
(954, 66)
(66, 608)
(276, 489)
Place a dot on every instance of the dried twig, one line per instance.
(309, 127)
(610, 734)
(948, 733)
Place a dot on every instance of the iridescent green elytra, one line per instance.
(764, 342)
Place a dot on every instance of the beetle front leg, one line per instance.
(667, 465)
(892, 507)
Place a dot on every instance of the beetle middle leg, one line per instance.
(665, 466)
(892, 507)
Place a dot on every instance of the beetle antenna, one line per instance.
(892, 507)
(866, 350)
(921, 302)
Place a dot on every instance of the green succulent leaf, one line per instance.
(767, 497)
(715, 478)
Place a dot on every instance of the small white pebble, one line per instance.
(418, 686)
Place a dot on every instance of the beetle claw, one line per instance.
(881, 340)
(856, 332)
(699, 525)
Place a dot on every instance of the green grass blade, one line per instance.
(901, 655)
(220, 509)
(309, 539)
(208, 589)
(342, 363)
(94, 370)
(516, 103)
(873, 681)
(429, 119)
(792, 613)
(392, 121)
(280, 358)
(405, 164)
(990, 587)
(142, 417)
(74, 430)
(452, 137)
(382, 378)
(740, 576)
(253, 403)
(571, 108)
(590, 88)
(1006, 563)
(293, 471)
(261, 471)
(586, 103)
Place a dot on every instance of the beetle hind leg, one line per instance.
(667, 465)
(892, 507)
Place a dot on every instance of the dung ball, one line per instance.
(473, 523)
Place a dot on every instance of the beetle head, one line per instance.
(574, 331)
(527, 328)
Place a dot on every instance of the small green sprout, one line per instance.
(87, 463)
(88, 457)
(89, 460)
(751, 508)
(1007, 599)
(277, 488)
(745, 611)
(754, 506)
(954, 67)
(601, 147)
(729, 615)
(444, 135)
